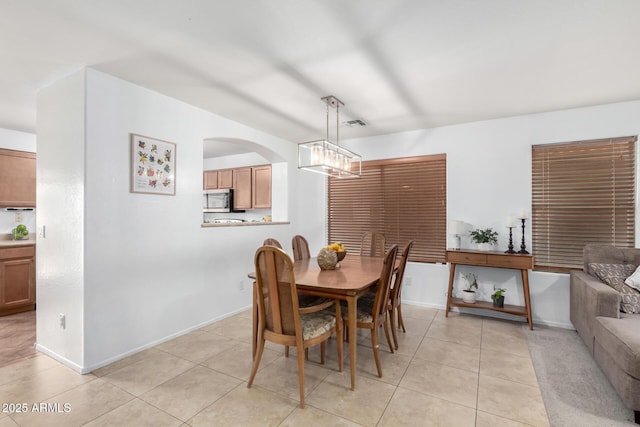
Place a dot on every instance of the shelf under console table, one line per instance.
(521, 262)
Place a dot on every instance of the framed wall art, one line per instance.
(153, 166)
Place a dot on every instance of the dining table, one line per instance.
(354, 276)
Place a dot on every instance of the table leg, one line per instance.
(352, 304)
(527, 297)
(452, 272)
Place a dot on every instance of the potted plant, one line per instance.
(498, 297)
(469, 294)
(484, 238)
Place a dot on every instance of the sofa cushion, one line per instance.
(621, 339)
(614, 275)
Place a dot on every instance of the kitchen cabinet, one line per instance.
(261, 187)
(210, 180)
(17, 178)
(242, 196)
(17, 279)
(214, 179)
(225, 178)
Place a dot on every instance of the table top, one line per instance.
(356, 273)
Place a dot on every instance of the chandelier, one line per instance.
(326, 157)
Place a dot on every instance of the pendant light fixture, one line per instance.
(326, 157)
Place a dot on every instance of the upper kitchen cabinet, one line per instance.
(17, 178)
(210, 180)
(261, 187)
(225, 178)
(214, 179)
(242, 189)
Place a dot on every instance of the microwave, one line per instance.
(218, 201)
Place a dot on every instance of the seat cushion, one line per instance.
(621, 339)
(614, 275)
(364, 313)
(316, 324)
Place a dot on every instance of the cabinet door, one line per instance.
(261, 188)
(242, 188)
(17, 280)
(210, 180)
(225, 178)
(17, 178)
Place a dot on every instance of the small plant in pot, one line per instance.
(498, 297)
(484, 238)
(469, 294)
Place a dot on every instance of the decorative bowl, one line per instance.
(327, 259)
(341, 255)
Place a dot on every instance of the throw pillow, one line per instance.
(614, 275)
(634, 279)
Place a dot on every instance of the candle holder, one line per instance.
(523, 247)
(510, 251)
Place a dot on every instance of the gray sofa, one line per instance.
(612, 337)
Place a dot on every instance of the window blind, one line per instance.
(403, 198)
(582, 192)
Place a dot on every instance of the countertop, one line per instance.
(7, 242)
(242, 224)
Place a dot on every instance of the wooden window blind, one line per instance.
(582, 192)
(403, 198)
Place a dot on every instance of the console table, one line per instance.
(521, 262)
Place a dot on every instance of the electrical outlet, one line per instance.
(62, 320)
(407, 280)
(18, 216)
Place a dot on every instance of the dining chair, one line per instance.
(270, 241)
(372, 244)
(395, 305)
(300, 248)
(283, 321)
(372, 314)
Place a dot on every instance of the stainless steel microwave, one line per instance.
(218, 201)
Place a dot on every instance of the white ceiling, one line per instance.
(397, 65)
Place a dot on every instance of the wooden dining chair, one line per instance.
(270, 241)
(300, 248)
(283, 321)
(394, 307)
(372, 314)
(372, 244)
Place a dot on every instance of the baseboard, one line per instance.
(52, 354)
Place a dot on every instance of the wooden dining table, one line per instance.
(355, 276)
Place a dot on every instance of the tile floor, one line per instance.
(17, 335)
(459, 371)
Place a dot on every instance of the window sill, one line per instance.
(242, 224)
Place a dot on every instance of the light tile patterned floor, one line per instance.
(458, 371)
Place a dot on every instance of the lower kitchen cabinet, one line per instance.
(17, 279)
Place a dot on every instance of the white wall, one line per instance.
(150, 271)
(488, 179)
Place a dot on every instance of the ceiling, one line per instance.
(397, 65)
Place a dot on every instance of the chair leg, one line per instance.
(374, 344)
(322, 350)
(256, 359)
(301, 375)
(286, 351)
(400, 320)
(386, 333)
(392, 320)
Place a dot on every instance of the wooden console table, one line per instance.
(524, 263)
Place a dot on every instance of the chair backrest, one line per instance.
(397, 284)
(373, 244)
(300, 248)
(270, 241)
(384, 284)
(277, 294)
